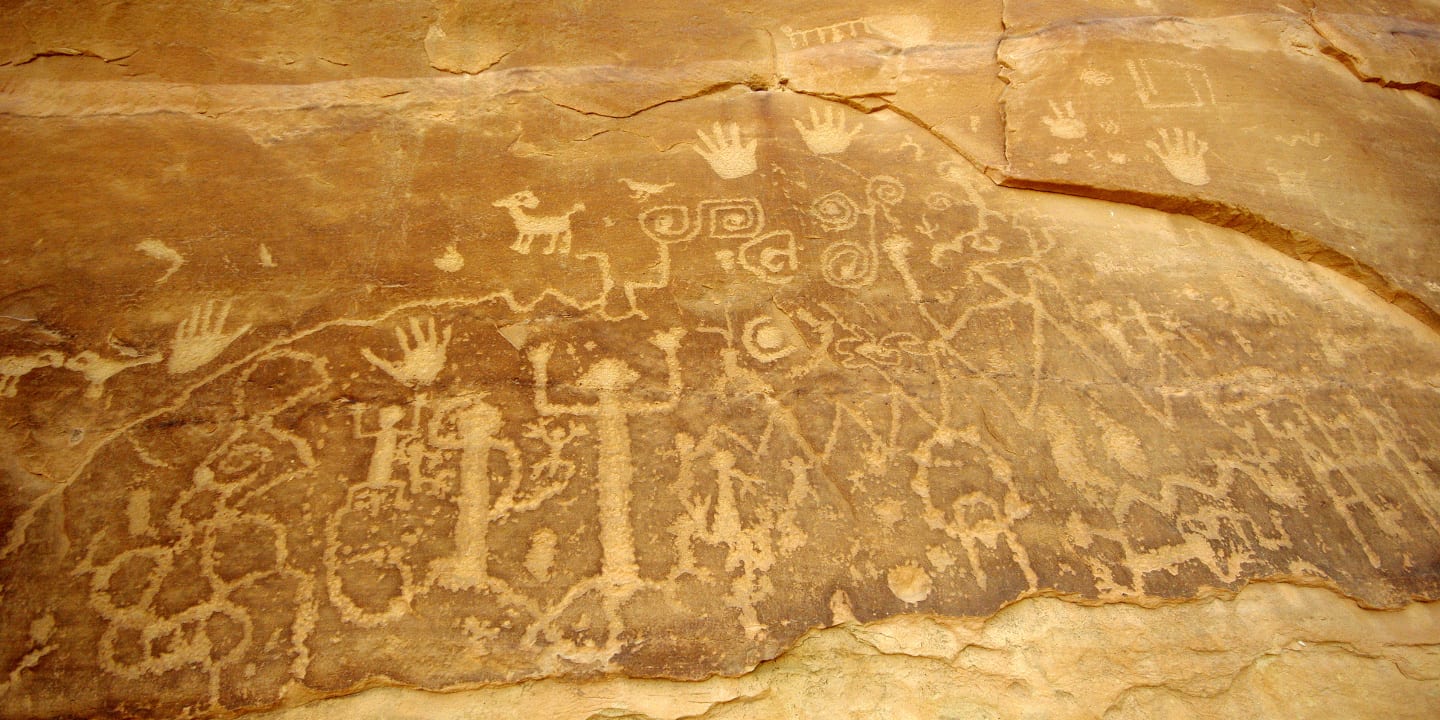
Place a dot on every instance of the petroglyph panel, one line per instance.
(463, 385)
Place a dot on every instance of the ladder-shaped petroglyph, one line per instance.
(834, 33)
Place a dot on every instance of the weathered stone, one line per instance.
(520, 343)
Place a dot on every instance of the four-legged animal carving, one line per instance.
(556, 227)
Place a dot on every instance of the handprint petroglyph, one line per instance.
(423, 353)
(729, 156)
(1182, 154)
(1063, 123)
(827, 135)
(201, 337)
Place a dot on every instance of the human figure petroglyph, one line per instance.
(1062, 121)
(556, 228)
(477, 435)
(610, 381)
(554, 465)
(1182, 154)
(14, 367)
(98, 369)
(422, 353)
(643, 191)
(827, 135)
(477, 424)
(869, 355)
(728, 155)
(201, 337)
(349, 546)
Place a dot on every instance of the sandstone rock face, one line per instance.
(534, 351)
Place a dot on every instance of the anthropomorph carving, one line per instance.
(610, 381)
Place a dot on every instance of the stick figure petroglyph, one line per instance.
(477, 426)
(1182, 154)
(528, 227)
(610, 381)
(366, 505)
(728, 156)
(14, 367)
(423, 357)
(827, 136)
(556, 439)
(201, 337)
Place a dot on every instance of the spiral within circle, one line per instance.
(666, 223)
(835, 211)
(849, 264)
(735, 220)
(886, 190)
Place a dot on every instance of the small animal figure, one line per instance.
(14, 367)
(642, 191)
(528, 227)
(97, 369)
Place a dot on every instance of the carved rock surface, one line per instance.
(468, 345)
